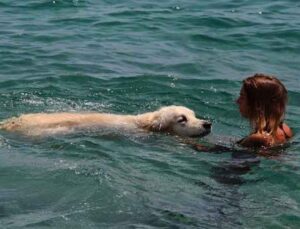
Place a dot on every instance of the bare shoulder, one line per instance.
(257, 140)
(287, 130)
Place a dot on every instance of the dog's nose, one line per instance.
(207, 125)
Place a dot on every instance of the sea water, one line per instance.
(130, 57)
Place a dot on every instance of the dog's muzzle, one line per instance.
(207, 125)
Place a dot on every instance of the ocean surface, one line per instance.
(130, 57)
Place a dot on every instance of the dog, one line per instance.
(176, 120)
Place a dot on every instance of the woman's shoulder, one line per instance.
(287, 131)
(257, 140)
(283, 134)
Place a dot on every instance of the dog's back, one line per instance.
(172, 119)
(35, 124)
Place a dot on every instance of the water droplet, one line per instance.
(75, 2)
(213, 89)
(64, 217)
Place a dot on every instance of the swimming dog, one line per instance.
(177, 120)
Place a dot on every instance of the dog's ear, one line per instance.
(159, 122)
(157, 125)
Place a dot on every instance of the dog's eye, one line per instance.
(182, 119)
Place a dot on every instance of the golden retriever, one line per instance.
(176, 120)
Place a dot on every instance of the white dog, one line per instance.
(176, 120)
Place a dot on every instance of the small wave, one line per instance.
(40, 5)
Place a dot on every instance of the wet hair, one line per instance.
(266, 100)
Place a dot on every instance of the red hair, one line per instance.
(266, 100)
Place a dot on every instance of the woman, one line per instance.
(262, 101)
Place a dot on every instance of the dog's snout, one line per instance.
(207, 125)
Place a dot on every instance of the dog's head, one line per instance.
(179, 120)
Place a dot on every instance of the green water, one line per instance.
(131, 57)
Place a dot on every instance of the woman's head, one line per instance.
(263, 100)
